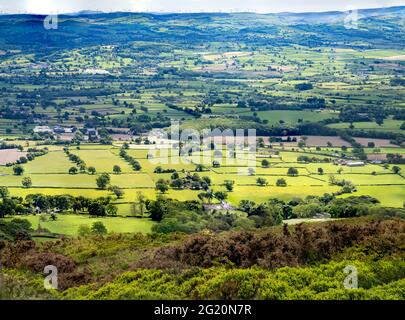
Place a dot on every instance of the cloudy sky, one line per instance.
(262, 6)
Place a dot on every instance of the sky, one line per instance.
(261, 6)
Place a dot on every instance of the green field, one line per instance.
(389, 125)
(48, 174)
(68, 224)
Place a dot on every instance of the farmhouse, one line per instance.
(91, 134)
(55, 129)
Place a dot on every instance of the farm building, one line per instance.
(42, 129)
(355, 164)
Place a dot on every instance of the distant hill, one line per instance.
(378, 28)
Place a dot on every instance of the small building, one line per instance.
(91, 134)
(356, 164)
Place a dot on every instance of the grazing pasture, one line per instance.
(49, 174)
(68, 224)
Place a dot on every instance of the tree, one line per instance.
(18, 170)
(206, 180)
(261, 182)
(4, 193)
(73, 170)
(177, 184)
(229, 184)
(303, 86)
(117, 169)
(103, 180)
(62, 202)
(162, 186)
(119, 192)
(111, 210)
(281, 182)
(91, 170)
(307, 210)
(220, 195)
(265, 163)
(396, 169)
(39, 200)
(199, 168)
(141, 200)
(82, 167)
(97, 209)
(216, 164)
(159, 208)
(320, 171)
(209, 195)
(292, 171)
(80, 203)
(7, 207)
(98, 228)
(247, 206)
(26, 182)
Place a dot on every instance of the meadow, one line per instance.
(68, 224)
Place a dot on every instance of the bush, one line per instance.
(98, 228)
(281, 182)
(84, 230)
(292, 171)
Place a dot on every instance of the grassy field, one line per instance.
(68, 224)
(48, 174)
(388, 125)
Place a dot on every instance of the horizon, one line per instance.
(44, 7)
(191, 12)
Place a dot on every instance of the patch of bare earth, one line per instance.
(10, 156)
(377, 156)
(377, 142)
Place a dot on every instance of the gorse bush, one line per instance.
(323, 282)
